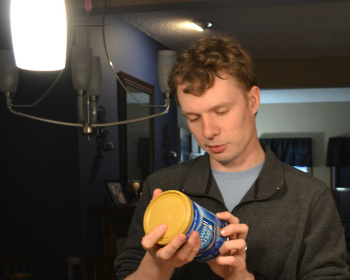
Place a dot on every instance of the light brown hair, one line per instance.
(197, 67)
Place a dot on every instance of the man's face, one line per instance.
(223, 123)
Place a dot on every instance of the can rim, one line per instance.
(180, 220)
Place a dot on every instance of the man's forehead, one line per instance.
(193, 88)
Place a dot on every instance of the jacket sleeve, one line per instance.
(324, 251)
(129, 260)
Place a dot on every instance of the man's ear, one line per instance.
(254, 99)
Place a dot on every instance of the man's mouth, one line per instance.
(217, 148)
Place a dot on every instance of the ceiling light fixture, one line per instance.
(39, 34)
(200, 26)
(86, 69)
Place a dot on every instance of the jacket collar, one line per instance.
(270, 180)
(200, 180)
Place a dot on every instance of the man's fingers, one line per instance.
(235, 231)
(171, 248)
(156, 193)
(180, 250)
(191, 248)
(227, 216)
(237, 246)
(149, 240)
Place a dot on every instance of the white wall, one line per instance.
(317, 120)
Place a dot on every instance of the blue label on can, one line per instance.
(208, 227)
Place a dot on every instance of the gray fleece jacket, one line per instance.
(294, 227)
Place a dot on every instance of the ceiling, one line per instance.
(268, 29)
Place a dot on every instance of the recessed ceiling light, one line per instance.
(196, 25)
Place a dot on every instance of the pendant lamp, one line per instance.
(39, 34)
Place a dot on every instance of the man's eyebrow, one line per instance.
(190, 114)
(218, 106)
(223, 104)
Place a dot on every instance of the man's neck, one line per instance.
(253, 156)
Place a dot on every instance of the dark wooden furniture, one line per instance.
(11, 266)
(84, 268)
(115, 222)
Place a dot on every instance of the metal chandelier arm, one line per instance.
(166, 105)
(9, 106)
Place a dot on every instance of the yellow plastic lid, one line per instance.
(172, 208)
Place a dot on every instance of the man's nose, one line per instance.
(209, 128)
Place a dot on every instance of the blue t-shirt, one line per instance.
(234, 185)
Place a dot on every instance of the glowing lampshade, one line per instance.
(39, 34)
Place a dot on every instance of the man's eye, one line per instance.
(192, 119)
(221, 112)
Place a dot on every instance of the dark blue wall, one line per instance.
(49, 204)
(135, 53)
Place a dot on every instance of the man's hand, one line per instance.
(175, 254)
(160, 262)
(231, 263)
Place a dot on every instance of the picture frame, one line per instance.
(116, 192)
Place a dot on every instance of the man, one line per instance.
(294, 228)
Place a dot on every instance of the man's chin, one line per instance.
(221, 159)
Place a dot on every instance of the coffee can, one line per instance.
(182, 215)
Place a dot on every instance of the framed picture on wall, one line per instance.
(116, 192)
